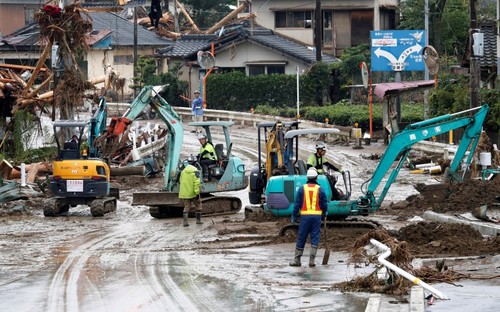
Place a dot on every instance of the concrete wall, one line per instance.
(96, 59)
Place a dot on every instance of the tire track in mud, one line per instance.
(65, 288)
(153, 275)
(71, 287)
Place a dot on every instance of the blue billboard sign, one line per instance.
(397, 50)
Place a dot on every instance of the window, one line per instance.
(275, 69)
(254, 70)
(293, 19)
(123, 59)
(231, 69)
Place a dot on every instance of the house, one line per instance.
(111, 43)
(344, 23)
(488, 61)
(15, 14)
(242, 47)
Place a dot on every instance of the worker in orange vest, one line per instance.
(312, 203)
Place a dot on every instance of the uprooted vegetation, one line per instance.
(422, 239)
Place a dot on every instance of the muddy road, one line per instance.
(128, 261)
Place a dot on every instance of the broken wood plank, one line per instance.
(6, 169)
(22, 67)
(32, 173)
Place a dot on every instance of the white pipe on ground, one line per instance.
(386, 253)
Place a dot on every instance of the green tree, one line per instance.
(448, 22)
(206, 13)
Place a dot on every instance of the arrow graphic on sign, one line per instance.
(379, 52)
(416, 48)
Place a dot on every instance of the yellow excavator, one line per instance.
(78, 179)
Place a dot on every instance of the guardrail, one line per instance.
(241, 118)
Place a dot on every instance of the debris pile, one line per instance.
(423, 238)
(68, 29)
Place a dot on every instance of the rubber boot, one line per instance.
(198, 218)
(185, 215)
(312, 256)
(296, 259)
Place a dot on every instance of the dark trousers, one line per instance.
(309, 225)
(335, 192)
(155, 15)
(205, 162)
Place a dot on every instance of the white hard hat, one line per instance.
(312, 173)
(201, 136)
(321, 145)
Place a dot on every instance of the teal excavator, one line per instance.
(228, 174)
(280, 190)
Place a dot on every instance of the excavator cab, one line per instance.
(77, 179)
(228, 169)
(272, 160)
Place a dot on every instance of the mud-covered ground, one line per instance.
(129, 261)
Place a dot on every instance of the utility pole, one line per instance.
(176, 18)
(474, 62)
(426, 73)
(135, 48)
(317, 30)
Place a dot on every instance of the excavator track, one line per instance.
(292, 228)
(211, 206)
(100, 207)
(55, 206)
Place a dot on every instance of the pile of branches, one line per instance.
(394, 284)
(66, 26)
(69, 28)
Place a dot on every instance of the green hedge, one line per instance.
(345, 114)
(238, 92)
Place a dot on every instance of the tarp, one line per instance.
(395, 88)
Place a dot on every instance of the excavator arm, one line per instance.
(97, 126)
(149, 95)
(175, 134)
(275, 146)
(404, 140)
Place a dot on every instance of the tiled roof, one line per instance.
(188, 45)
(122, 33)
(489, 59)
(275, 42)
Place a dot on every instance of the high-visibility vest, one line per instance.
(310, 204)
(317, 162)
